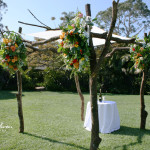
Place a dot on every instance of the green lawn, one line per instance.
(52, 122)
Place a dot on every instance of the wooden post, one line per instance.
(144, 113)
(81, 96)
(95, 139)
(19, 97)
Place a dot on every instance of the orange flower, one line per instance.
(13, 48)
(77, 43)
(5, 41)
(76, 65)
(10, 66)
(9, 40)
(13, 60)
(71, 32)
(65, 54)
(16, 45)
(15, 68)
(62, 44)
(9, 60)
(138, 54)
(63, 35)
(7, 63)
(7, 47)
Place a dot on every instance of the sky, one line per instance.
(45, 9)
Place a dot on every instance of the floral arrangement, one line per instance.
(74, 45)
(13, 51)
(140, 54)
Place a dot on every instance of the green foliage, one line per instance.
(4, 77)
(56, 80)
(3, 7)
(132, 17)
(115, 76)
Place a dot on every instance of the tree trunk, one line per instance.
(19, 100)
(143, 111)
(81, 96)
(95, 139)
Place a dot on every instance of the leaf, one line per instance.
(70, 27)
(95, 19)
(59, 49)
(1, 52)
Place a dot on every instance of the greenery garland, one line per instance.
(13, 51)
(74, 45)
(140, 55)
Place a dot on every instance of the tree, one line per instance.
(133, 17)
(66, 17)
(3, 5)
(45, 58)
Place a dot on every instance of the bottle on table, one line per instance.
(100, 96)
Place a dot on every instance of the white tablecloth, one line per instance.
(109, 120)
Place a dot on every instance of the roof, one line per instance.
(96, 41)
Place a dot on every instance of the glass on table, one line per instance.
(103, 99)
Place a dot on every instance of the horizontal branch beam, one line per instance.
(54, 50)
(118, 40)
(98, 35)
(48, 28)
(45, 41)
(115, 50)
(127, 41)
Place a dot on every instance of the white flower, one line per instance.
(18, 51)
(148, 44)
(9, 44)
(141, 58)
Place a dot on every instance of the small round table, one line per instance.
(108, 115)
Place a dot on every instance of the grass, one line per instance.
(52, 122)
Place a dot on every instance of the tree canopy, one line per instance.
(3, 5)
(133, 17)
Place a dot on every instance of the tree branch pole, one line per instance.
(81, 96)
(19, 98)
(94, 68)
(47, 28)
(144, 113)
(95, 139)
(38, 19)
(109, 36)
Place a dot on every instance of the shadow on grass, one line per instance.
(131, 132)
(55, 141)
(7, 95)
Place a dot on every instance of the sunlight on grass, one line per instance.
(52, 122)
